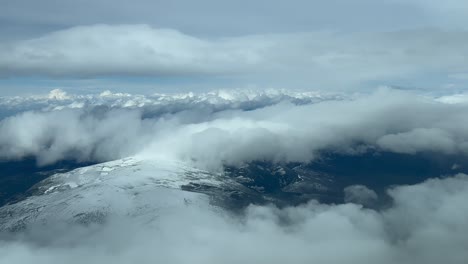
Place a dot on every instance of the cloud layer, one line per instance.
(316, 59)
(218, 129)
(425, 224)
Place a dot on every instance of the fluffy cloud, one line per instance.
(212, 130)
(425, 224)
(128, 49)
(109, 126)
(418, 140)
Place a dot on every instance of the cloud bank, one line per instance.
(425, 224)
(319, 59)
(212, 130)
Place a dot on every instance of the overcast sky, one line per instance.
(148, 45)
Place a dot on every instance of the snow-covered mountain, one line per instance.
(145, 188)
(127, 187)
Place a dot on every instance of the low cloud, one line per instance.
(418, 140)
(69, 134)
(360, 194)
(234, 129)
(425, 224)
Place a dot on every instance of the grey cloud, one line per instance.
(360, 194)
(319, 59)
(101, 50)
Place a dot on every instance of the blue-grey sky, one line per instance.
(213, 17)
(209, 44)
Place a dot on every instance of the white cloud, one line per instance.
(58, 94)
(66, 134)
(418, 140)
(126, 49)
(460, 98)
(271, 126)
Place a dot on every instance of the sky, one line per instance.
(165, 46)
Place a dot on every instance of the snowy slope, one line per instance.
(132, 187)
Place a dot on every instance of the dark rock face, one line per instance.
(324, 179)
(381, 170)
(264, 177)
(284, 184)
